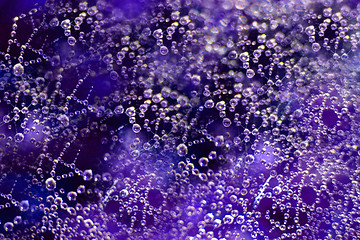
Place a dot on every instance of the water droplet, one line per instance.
(136, 128)
(310, 30)
(130, 111)
(203, 162)
(8, 226)
(336, 17)
(80, 189)
(232, 54)
(250, 73)
(50, 184)
(185, 20)
(124, 193)
(221, 106)
(209, 103)
(119, 110)
(164, 50)
(19, 137)
(182, 149)
(158, 33)
(244, 57)
(212, 155)
(87, 175)
(65, 24)
(219, 140)
(71, 41)
(24, 205)
(316, 47)
(17, 220)
(196, 79)
(72, 196)
(226, 122)
(228, 219)
(277, 190)
(18, 69)
(240, 219)
(54, 22)
(64, 120)
(249, 159)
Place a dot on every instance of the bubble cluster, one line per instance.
(196, 119)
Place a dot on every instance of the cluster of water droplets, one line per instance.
(194, 119)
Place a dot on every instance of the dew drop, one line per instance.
(17, 220)
(203, 162)
(164, 50)
(87, 175)
(8, 226)
(65, 24)
(50, 184)
(72, 196)
(250, 73)
(71, 41)
(18, 69)
(316, 47)
(182, 149)
(19, 137)
(24, 205)
(136, 128)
